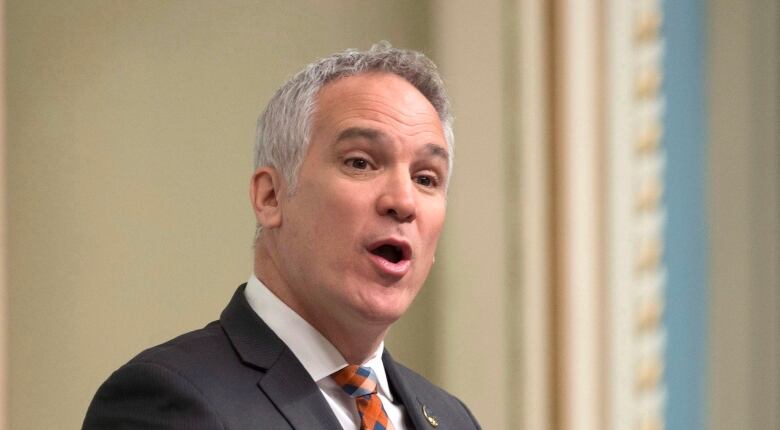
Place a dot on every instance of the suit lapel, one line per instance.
(284, 380)
(413, 405)
(297, 397)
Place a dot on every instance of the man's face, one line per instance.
(358, 236)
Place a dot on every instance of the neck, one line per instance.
(357, 341)
(354, 352)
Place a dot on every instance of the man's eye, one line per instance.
(357, 163)
(426, 181)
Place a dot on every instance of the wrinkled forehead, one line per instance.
(383, 97)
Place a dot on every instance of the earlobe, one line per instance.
(263, 193)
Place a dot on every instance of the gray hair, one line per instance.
(284, 128)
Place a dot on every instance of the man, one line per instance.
(353, 158)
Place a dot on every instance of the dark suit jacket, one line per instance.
(236, 373)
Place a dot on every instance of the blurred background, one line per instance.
(611, 249)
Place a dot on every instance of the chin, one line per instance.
(381, 317)
(385, 309)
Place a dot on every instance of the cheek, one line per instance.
(434, 225)
(338, 220)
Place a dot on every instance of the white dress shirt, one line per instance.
(320, 358)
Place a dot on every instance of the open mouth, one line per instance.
(391, 253)
(392, 250)
(392, 257)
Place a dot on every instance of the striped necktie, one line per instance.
(360, 384)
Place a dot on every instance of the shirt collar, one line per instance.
(317, 355)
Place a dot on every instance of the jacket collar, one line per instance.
(413, 404)
(283, 379)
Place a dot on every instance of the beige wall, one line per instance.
(130, 128)
(3, 240)
(744, 206)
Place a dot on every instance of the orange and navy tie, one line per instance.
(360, 383)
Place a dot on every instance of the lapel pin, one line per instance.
(432, 420)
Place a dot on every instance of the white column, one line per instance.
(536, 339)
(577, 118)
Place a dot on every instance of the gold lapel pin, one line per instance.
(431, 419)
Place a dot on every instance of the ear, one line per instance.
(264, 190)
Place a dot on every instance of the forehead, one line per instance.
(375, 97)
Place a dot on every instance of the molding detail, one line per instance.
(635, 216)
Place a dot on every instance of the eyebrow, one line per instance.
(360, 132)
(378, 136)
(437, 151)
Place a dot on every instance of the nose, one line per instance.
(397, 198)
